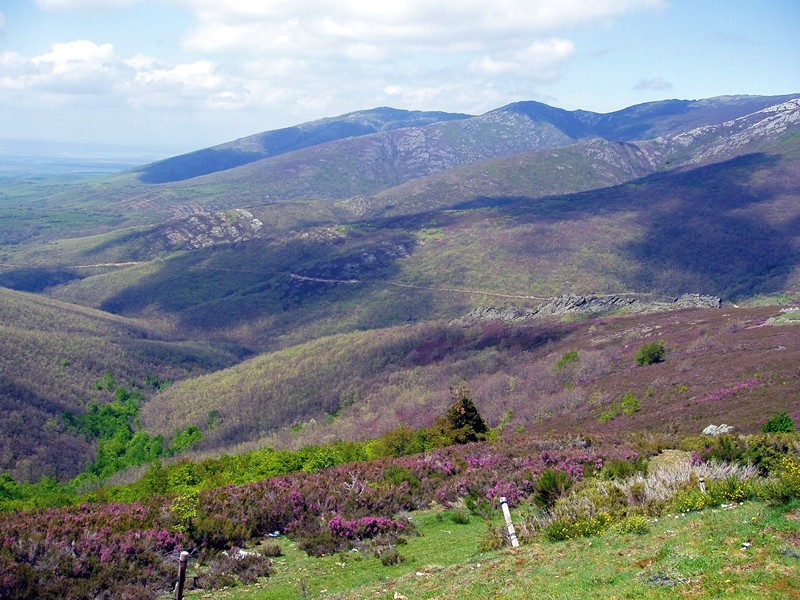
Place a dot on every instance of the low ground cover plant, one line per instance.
(564, 489)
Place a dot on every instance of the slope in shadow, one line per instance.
(718, 229)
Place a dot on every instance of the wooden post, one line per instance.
(181, 575)
(511, 531)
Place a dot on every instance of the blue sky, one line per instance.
(179, 75)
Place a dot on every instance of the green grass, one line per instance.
(697, 555)
(442, 543)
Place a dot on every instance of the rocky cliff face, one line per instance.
(585, 305)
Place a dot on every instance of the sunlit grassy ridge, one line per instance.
(720, 365)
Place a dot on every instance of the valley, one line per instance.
(329, 285)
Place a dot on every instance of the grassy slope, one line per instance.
(51, 355)
(722, 365)
(730, 229)
(697, 555)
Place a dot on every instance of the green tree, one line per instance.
(651, 353)
(185, 439)
(462, 423)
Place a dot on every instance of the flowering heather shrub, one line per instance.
(730, 391)
(365, 527)
(79, 552)
(508, 490)
(86, 551)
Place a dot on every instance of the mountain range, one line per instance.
(309, 274)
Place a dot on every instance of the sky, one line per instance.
(179, 75)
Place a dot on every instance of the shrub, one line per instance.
(629, 404)
(397, 474)
(459, 517)
(271, 550)
(550, 486)
(566, 359)
(227, 566)
(731, 489)
(637, 524)
(786, 487)
(493, 539)
(617, 469)
(565, 529)
(780, 423)
(692, 500)
(390, 556)
(650, 353)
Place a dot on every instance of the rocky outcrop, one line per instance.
(717, 429)
(578, 304)
(203, 229)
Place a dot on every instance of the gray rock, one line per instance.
(717, 429)
(597, 305)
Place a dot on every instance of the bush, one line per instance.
(780, 423)
(549, 487)
(565, 529)
(651, 353)
(731, 489)
(629, 404)
(493, 539)
(786, 487)
(637, 524)
(271, 550)
(459, 517)
(617, 469)
(390, 556)
(566, 359)
(692, 500)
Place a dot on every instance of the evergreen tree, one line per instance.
(463, 423)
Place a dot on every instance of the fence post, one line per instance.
(181, 575)
(507, 514)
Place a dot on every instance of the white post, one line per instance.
(181, 575)
(507, 514)
(703, 484)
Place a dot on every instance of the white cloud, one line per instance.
(658, 84)
(326, 26)
(303, 60)
(72, 71)
(539, 61)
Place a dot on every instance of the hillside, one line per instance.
(52, 356)
(367, 152)
(728, 229)
(730, 365)
(339, 252)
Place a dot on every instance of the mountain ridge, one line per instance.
(363, 248)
